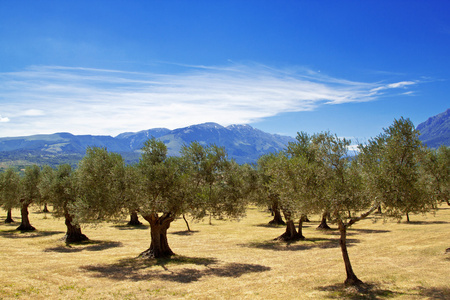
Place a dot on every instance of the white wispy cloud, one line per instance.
(4, 120)
(46, 99)
(395, 85)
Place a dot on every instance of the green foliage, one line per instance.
(392, 163)
(217, 183)
(161, 182)
(98, 185)
(436, 166)
(9, 189)
(29, 191)
(57, 188)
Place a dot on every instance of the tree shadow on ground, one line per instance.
(84, 246)
(434, 292)
(361, 230)
(139, 269)
(131, 227)
(352, 231)
(364, 291)
(267, 225)
(426, 222)
(184, 232)
(306, 244)
(17, 234)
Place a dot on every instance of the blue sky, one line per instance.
(106, 67)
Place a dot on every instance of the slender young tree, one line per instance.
(344, 191)
(320, 177)
(29, 194)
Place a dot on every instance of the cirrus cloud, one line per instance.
(46, 99)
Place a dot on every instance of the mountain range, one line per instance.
(435, 131)
(242, 143)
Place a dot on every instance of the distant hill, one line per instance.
(435, 131)
(242, 142)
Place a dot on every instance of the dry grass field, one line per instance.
(227, 260)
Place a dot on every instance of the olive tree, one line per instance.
(160, 194)
(327, 181)
(302, 147)
(393, 162)
(259, 191)
(29, 194)
(98, 187)
(217, 182)
(436, 168)
(57, 187)
(169, 187)
(9, 191)
(340, 190)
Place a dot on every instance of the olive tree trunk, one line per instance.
(9, 218)
(134, 219)
(159, 246)
(291, 233)
(323, 223)
(73, 234)
(351, 276)
(187, 224)
(303, 218)
(25, 224)
(277, 219)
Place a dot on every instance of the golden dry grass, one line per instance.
(227, 260)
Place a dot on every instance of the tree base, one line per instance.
(323, 226)
(26, 228)
(277, 222)
(150, 253)
(353, 281)
(75, 238)
(134, 223)
(285, 237)
(8, 221)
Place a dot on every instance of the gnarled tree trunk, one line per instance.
(25, 224)
(351, 277)
(9, 218)
(159, 246)
(291, 233)
(323, 222)
(73, 234)
(45, 210)
(134, 219)
(277, 219)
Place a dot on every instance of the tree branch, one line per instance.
(363, 216)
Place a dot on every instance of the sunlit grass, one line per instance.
(227, 260)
